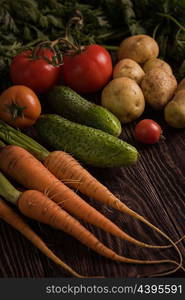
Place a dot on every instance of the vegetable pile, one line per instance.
(24, 23)
(50, 64)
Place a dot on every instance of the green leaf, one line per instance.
(43, 21)
(130, 18)
(25, 10)
(7, 22)
(54, 21)
(181, 71)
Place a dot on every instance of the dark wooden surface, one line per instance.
(154, 187)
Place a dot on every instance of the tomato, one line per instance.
(88, 71)
(148, 131)
(19, 106)
(35, 73)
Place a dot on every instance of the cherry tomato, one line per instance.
(35, 73)
(148, 131)
(19, 106)
(88, 71)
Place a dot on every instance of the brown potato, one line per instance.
(157, 63)
(124, 98)
(140, 48)
(128, 68)
(174, 112)
(158, 87)
(181, 85)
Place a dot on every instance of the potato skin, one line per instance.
(140, 48)
(124, 98)
(157, 63)
(181, 86)
(158, 87)
(128, 68)
(174, 112)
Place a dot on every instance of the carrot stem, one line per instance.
(15, 137)
(7, 190)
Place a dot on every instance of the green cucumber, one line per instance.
(70, 105)
(89, 145)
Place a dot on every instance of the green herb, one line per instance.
(164, 19)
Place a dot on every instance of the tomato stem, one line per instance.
(66, 46)
(57, 59)
(62, 46)
(15, 110)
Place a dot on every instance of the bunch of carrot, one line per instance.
(11, 217)
(50, 201)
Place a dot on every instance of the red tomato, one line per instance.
(37, 74)
(148, 131)
(19, 106)
(88, 71)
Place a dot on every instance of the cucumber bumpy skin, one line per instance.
(70, 105)
(88, 145)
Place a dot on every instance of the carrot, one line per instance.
(38, 206)
(71, 172)
(68, 170)
(12, 218)
(31, 173)
(65, 167)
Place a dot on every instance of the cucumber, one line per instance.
(70, 105)
(89, 145)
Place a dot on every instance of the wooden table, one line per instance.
(154, 187)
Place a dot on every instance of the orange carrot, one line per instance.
(66, 168)
(70, 171)
(27, 170)
(42, 209)
(38, 206)
(31, 173)
(12, 218)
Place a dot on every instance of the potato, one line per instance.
(157, 63)
(128, 68)
(181, 85)
(124, 98)
(158, 87)
(140, 48)
(174, 112)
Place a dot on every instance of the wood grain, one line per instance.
(154, 187)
